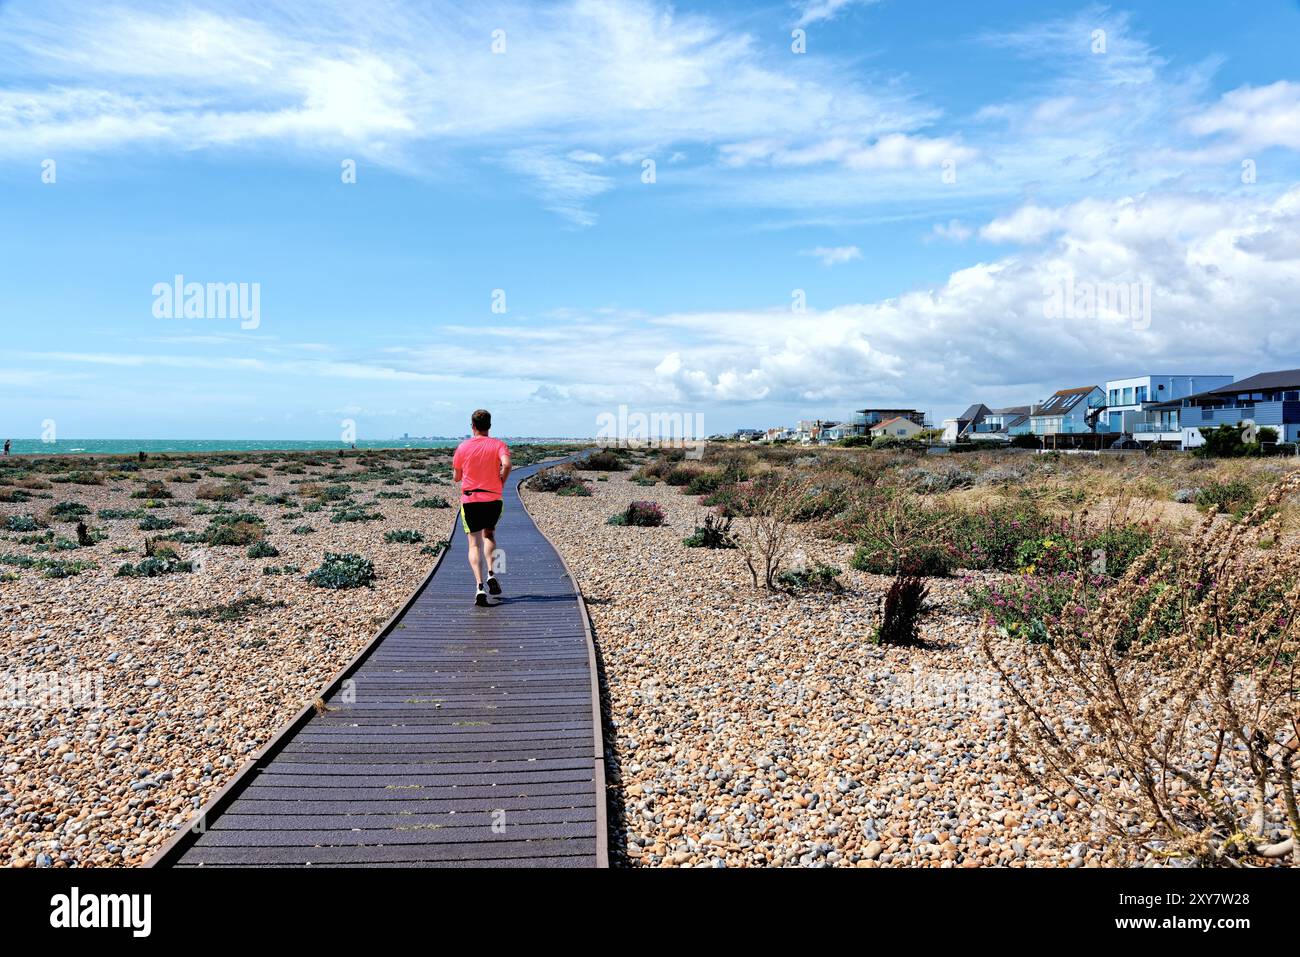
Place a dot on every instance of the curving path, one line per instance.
(460, 736)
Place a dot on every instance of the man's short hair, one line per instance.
(481, 420)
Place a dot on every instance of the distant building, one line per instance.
(899, 427)
(748, 435)
(981, 423)
(865, 419)
(834, 431)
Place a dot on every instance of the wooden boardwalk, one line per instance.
(460, 736)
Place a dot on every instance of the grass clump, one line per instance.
(817, 578)
(404, 536)
(109, 514)
(436, 501)
(606, 460)
(345, 515)
(1234, 497)
(152, 567)
(234, 528)
(231, 491)
(639, 514)
(714, 532)
(68, 511)
(343, 571)
(554, 479)
(240, 609)
(152, 490)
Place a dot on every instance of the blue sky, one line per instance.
(924, 172)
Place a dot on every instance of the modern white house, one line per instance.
(1268, 399)
(1130, 404)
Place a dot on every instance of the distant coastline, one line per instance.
(162, 446)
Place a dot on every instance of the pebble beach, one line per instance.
(753, 729)
(190, 672)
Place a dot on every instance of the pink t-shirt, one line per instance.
(479, 461)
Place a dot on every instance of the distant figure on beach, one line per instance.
(6, 446)
(481, 465)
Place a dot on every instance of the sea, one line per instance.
(132, 446)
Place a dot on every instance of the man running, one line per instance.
(480, 465)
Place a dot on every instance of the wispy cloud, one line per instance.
(814, 11)
(834, 255)
(954, 230)
(575, 82)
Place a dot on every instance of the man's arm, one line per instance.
(456, 475)
(505, 466)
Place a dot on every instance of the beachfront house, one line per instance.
(1066, 412)
(864, 420)
(813, 430)
(899, 427)
(1129, 400)
(982, 424)
(834, 431)
(1267, 399)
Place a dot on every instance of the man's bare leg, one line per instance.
(490, 559)
(475, 542)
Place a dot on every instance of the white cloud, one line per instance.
(1255, 117)
(814, 11)
(1028, 224)
(954, 230)
(566, 184)
(1224, 276)
(834, 255)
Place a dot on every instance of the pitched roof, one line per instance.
(974, 413)
(897, 418)
(1063, 400)
(1263, 382)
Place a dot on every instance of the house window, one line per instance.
(1141, 394)
(1128, 395)
(1114, 397)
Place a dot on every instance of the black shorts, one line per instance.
(476, 516)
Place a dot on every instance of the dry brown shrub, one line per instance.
(1184, 741)
(764, 534)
